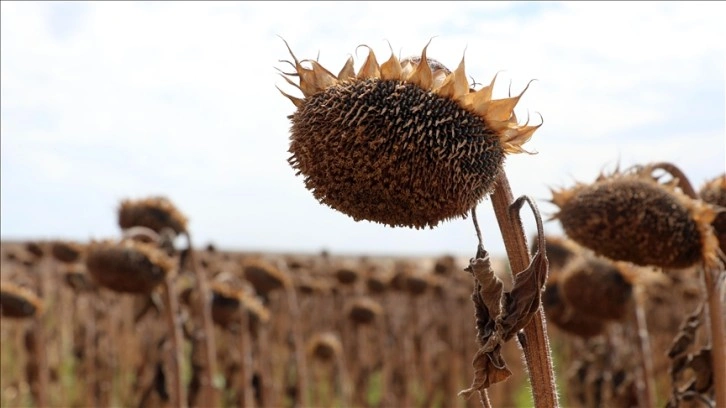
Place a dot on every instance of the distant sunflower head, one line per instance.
(631, 216)
(155, 213)
(714, 192)
(128, 266)
(403, 143)
(18, 302)
(597, 287)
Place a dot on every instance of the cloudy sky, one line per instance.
(104, 101)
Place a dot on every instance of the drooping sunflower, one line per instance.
(403, 143)
(630, 216)
(714, 192)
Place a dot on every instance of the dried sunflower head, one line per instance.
(228, 302)
(363, 310)
(597, 288)
(128, 266)
(566, 318)
(403, 143)
(18, 302)
(714, 192)
(347, 273)
(67, 252)
(264, 276)
(630, 216)
(155, 213)
(324, 346)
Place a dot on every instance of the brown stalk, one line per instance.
(299, 352)
(647, 387)
(454, 339)
(208, 392)
(41, 354)
(343, 383)
(89, 353)
(534, 342)
(484, 398)
(384, 331)
(246, 397)
(718, 336)
(268, 395)
(683, 182)
(177, 397)
(715, 310)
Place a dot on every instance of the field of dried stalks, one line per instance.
(79, 328)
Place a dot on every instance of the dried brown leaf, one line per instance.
(687, 333)
(489, 365)
(702, 365)
(500, 315)
(522, 302)
(489, 368)
(488, 288)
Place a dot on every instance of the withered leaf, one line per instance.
(687, 333)
(489, 368)
(702, 365)
(500, 315)
(488, 292)
(522, 302)
(692, 377)
(489, 365)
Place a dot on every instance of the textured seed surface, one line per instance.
(632, 220)
(393, 153)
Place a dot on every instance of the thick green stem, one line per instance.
(534, 342)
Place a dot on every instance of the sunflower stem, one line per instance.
(178, 398)
(647, 388)
(209, 392)
(677, 173)
(534, 342)
(718, 337)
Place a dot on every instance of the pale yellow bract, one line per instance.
(498, 114)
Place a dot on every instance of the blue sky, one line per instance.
(104, 101)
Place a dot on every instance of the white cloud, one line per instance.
(179, 99)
